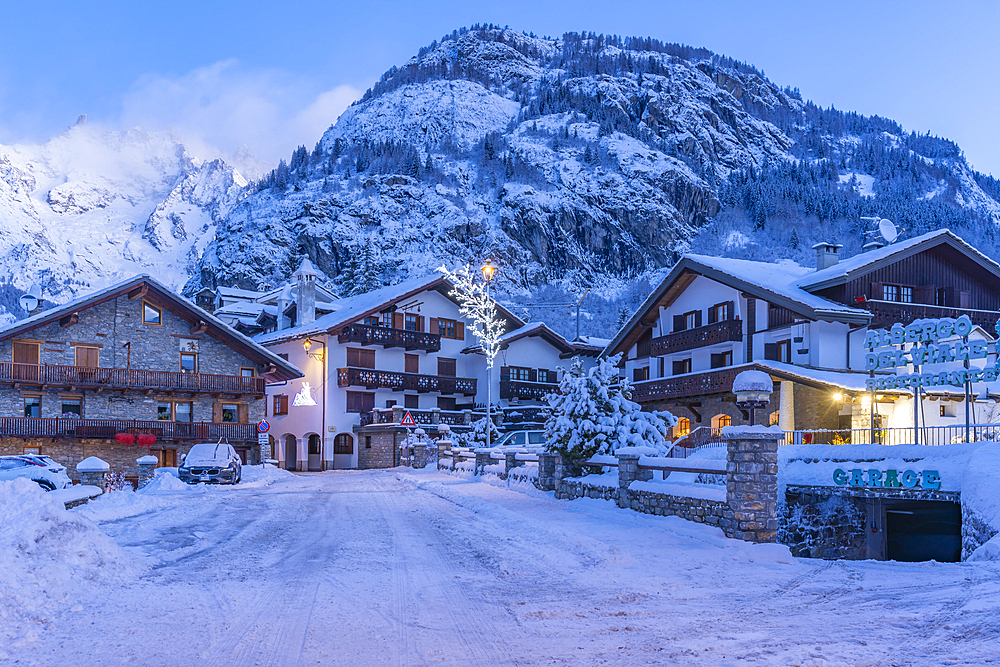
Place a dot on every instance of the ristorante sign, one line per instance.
(924, 338)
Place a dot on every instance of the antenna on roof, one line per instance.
(29, 302)
(880, 227)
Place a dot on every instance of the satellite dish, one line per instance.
(28, 303)
(887, 230)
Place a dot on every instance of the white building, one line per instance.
(713, 317)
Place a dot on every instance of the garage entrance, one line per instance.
(923, 530)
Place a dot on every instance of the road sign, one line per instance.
(262, 439)
(263, 426)
(408, 420)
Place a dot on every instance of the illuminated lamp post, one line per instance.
(489, 272)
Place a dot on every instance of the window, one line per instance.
(412, 363)
(899, 293)
(519, 374)
(87, 356)
(411, 401)
(446, 367)
(368, 442)
(682, 366)
(719, 313)
(32, 406)
(411, 322)
(536, 438)
(906, 294)
(163, 412)
(183, 412)
(25, 353)
(358, 358)
(280, 404)
(690, 319)
(314, 444)
(941, 296)
(71, 407)
(640, 374)
(446, 402)
(390, 402)
(151, 314)
(230, 413)
(189, 362)
(721, 421)
(360, 401)
(722, 359)
(780, 351)
(547, 376)
(371, 321)
(248, 372)
(344, 444)
(683, 427)
(387, 319)
(448, 328)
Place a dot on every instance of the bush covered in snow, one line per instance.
(593, 414)
(476, 436)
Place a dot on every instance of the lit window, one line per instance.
(683, 427)
(151, 314)
(71, 407)
(229, 412)
(163, 412)
(32, 406)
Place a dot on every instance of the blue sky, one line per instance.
(273, 75)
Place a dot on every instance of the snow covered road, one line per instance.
(425, 568)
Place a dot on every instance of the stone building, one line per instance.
(130, 370)
(713, 317)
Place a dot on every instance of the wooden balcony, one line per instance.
(44, 427)
(887, 313)
(375, 379)
(689, 339)
(530, 391)
(85, 377)
(433, 417)
(694, 384)
(362, 334)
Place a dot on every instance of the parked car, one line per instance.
(534, 441)
(40, 469)
(211, 462)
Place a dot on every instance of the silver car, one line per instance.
(40, 469)
(211, 462)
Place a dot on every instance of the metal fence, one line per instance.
(925, 435)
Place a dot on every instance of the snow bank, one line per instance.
(682, 489)
(607, 480)
(51, 559)
(980, 497)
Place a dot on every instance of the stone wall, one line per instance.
(817, 525)
(712, 512)
(571, 489)
(975, 532)
(382, 453)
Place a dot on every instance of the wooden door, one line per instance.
(26, 362)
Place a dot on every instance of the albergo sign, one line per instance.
(924, 336)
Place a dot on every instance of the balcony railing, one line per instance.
(689, 339)
(57, 427)
(364, 334)
(432, 417)
(694, 384)
(887, 313)
(533, 391)
(128, 378)
(375, 379)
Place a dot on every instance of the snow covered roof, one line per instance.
(146, 286)
(358, 307)
(565, 347)
(874, 259)
(237, 293)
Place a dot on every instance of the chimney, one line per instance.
(284, 299)
(305, 299)
(827, 254)
(872, 245)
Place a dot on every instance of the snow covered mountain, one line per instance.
(91, 207)
(584, 160)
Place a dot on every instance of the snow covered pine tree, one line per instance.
(593, 414)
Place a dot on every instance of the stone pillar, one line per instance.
(93, 471)
(467, 416)
(511, 462)
(443, 446)
(419, 455)
(435, 416)
(563, 470)
(547, 471)
(752, 483)
(786, 407)
(482, 460)
(147, 469)
(628, 472)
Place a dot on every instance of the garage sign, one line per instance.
(888, 479)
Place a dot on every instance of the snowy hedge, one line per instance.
(593, 414)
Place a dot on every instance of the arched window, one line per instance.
(719, 421)
(683, 427)
(343, 444)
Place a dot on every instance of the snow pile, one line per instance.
(257, 476)
(753, 381)
(51, 559)
(684, 489)
(980, 498)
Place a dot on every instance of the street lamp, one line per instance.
(489, 272)
(753, 390)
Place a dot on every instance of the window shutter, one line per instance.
(712, 313)
(771, 351)
(533, 375)
(964, 299)
(678, 322)
(505, 372)
(420, 323)
(243, 413)
(435, 329)
(678, 367)
(876, 291)
(460, 330)
(730, 310)
(716, 361)
(697, 318)
(397, 320)
(25, 353)
(925, 294)
(217, 413)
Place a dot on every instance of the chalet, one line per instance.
(372, 358)
(712, 317)
(130, 370)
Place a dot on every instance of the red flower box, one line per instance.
(147, 439)
(125, 438)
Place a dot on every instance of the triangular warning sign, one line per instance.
(408, 420)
